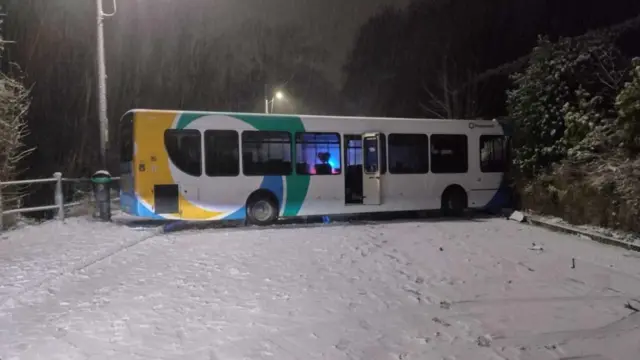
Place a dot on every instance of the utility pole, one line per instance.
(3, 59)
(101, 179)
(102, 83)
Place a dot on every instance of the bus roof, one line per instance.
(309, 117)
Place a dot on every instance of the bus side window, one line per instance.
(266, 153)
(370, 151)
(221, 153)
(126, 138)
(493, 153)
(408, 154)
(184, 150)
(126, 143)
(318, 154)
(449, 154)
(383, 154)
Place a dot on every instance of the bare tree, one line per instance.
(448, 97)
(14, 102)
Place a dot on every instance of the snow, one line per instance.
(615, 234)
(431, 289)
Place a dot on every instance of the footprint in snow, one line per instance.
(342, 345)
(483, 341)
(364, 325)
(441, 322)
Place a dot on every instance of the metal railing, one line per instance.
(59, 204)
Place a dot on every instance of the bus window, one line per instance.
(370, 151)
(493, 153)
(184, 150)
(126, 143)
(408, 154)
(449, 154)
(354, 150)
(383, 154)
(221, 153)
(266, 153)
(318, 154)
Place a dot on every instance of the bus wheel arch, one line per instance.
(454, 200)
(262, 207)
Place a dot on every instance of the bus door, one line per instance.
(371, 160)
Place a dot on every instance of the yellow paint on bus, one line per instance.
(152, 163)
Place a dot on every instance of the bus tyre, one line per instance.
(262, 211)
(454, 202)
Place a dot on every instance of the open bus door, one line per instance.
(371, 160)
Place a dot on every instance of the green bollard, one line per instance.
(101, 181)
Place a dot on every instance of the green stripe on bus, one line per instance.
(187, 118)
(297, 185)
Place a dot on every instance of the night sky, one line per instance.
(334, 22)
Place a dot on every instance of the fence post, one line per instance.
(1, 210)
(58, 195)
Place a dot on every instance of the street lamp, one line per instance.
(278, 95)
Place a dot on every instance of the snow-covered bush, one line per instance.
(566, 92)
(628, 106)
(576, 113)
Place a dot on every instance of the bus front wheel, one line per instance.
(262, 210)
(454, 201)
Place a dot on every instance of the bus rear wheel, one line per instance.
(454, 202)
(262, 211)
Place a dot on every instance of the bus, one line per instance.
(203, 166)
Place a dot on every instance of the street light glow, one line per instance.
(270, 100)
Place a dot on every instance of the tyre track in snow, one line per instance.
(448, 327)
(87, 262)
(537, 268)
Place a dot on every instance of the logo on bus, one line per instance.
(474, 125)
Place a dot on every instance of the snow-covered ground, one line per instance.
(470, 289)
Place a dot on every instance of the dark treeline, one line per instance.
(446, 58)
(163, 55)
(436, 58)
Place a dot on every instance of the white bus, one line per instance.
(231, 166)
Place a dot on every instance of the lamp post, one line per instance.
(101, 179)
(102, 82)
